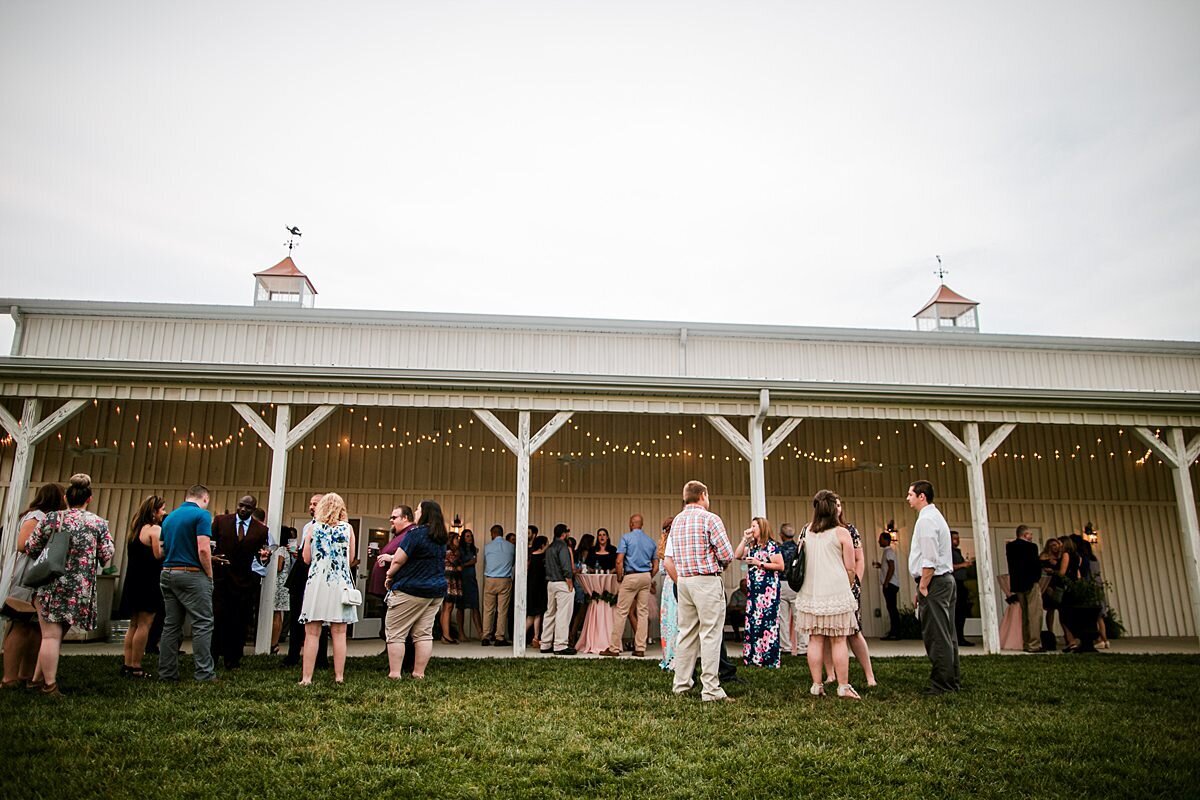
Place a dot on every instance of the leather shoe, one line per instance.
(570, 651)
(639, 653)
(965, 643)
(610, 652)
(486, 642)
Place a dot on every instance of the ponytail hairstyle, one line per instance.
(80, 490)
(147, 514)
(431, 517)
(825, 514)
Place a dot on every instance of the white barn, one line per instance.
(534, 419)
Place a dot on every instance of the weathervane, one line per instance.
(292, 242)
(941, 272)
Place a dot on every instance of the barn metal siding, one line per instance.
(591, 352)
(602, 467)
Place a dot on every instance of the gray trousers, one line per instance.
(186, 593)
(937, 629)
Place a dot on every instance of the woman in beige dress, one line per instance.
(825, 604)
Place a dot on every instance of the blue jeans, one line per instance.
(186, 593)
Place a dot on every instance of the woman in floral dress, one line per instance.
(71, 598)
(760, 645)
(327, 551)
(454, 588)
(668, 606)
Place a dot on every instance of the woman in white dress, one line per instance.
(327, 549)
(825, 604)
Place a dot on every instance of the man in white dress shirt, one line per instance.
(930, 564)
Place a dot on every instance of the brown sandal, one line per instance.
(50, 690)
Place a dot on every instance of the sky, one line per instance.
(752, 162)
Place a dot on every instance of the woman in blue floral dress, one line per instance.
(668, 606)
(760, 645)
(327, 551)
(71, 598)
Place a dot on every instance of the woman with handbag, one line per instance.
(329, 595)
(70, 598)
(24, 636)
(416, 581)
(825, 604)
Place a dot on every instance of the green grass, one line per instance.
(1048, 726)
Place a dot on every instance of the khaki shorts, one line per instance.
(407, 614)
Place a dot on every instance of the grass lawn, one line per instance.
(1047, 726)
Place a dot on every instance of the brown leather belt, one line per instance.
(181, 569)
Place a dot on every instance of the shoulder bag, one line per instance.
(51, 563)
(793, 573)
(351, 596)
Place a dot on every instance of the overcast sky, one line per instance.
(795, 163)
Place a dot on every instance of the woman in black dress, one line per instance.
(604, 557)
(141, 598)
(535, 594)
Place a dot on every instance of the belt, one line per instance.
(181, 569)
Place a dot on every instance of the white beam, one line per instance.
(520, 567)
(1193, 450)
(1189, 525)
(10, 423)
(548, 430)
(732, 435)
(58, 418)
(985, 571)
(22, 468)
(500, 429)
(275, 492)
(994, 441)
(758, 472)
(949, 439)
(782, 432)
(257, 423)
(1160, 448)
(315, 418)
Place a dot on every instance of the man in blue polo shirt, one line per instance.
(637, 562)
(498, 558)
(187, 585)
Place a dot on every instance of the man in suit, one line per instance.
(1024, 581)
(242, 547)
(296, 581)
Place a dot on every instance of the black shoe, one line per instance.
(486, 643)
(889, 638)
(570, 651)
(289, 662)
(544, 651)
(931, 692)
(965, 643)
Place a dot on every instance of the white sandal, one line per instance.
(846, 692)
(817, 690)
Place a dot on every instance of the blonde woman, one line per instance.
(668, 606)
(327, 551)
(825, 604)
(764, 560)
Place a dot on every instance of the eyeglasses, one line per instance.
(393, 518)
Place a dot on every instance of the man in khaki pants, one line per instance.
(498, 558)
(637, 564)
(697, 553)
(560, 595)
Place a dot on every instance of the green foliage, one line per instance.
(1036, 726)
(1114, 628)
(910, 626)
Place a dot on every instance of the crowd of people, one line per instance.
(184, 564)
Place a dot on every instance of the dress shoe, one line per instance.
(570, 651)
(487, 642)
(610, 653)
(639, 653)
(965, 643)
(545, 651)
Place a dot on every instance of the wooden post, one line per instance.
(755, 450)
(281, 440)
(522, 445)
(974, 455)
(26, 433)
(1179, 455)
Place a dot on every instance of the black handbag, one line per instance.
(51, 563)
(793, 573)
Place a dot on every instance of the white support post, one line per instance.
(522, 445)
(1179, 455)
(975, 455)
(754, 450)
(281, 440)
(26, 433)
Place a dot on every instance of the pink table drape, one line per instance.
(598, 619)
(1010, 625)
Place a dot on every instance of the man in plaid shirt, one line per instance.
(696, 554)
